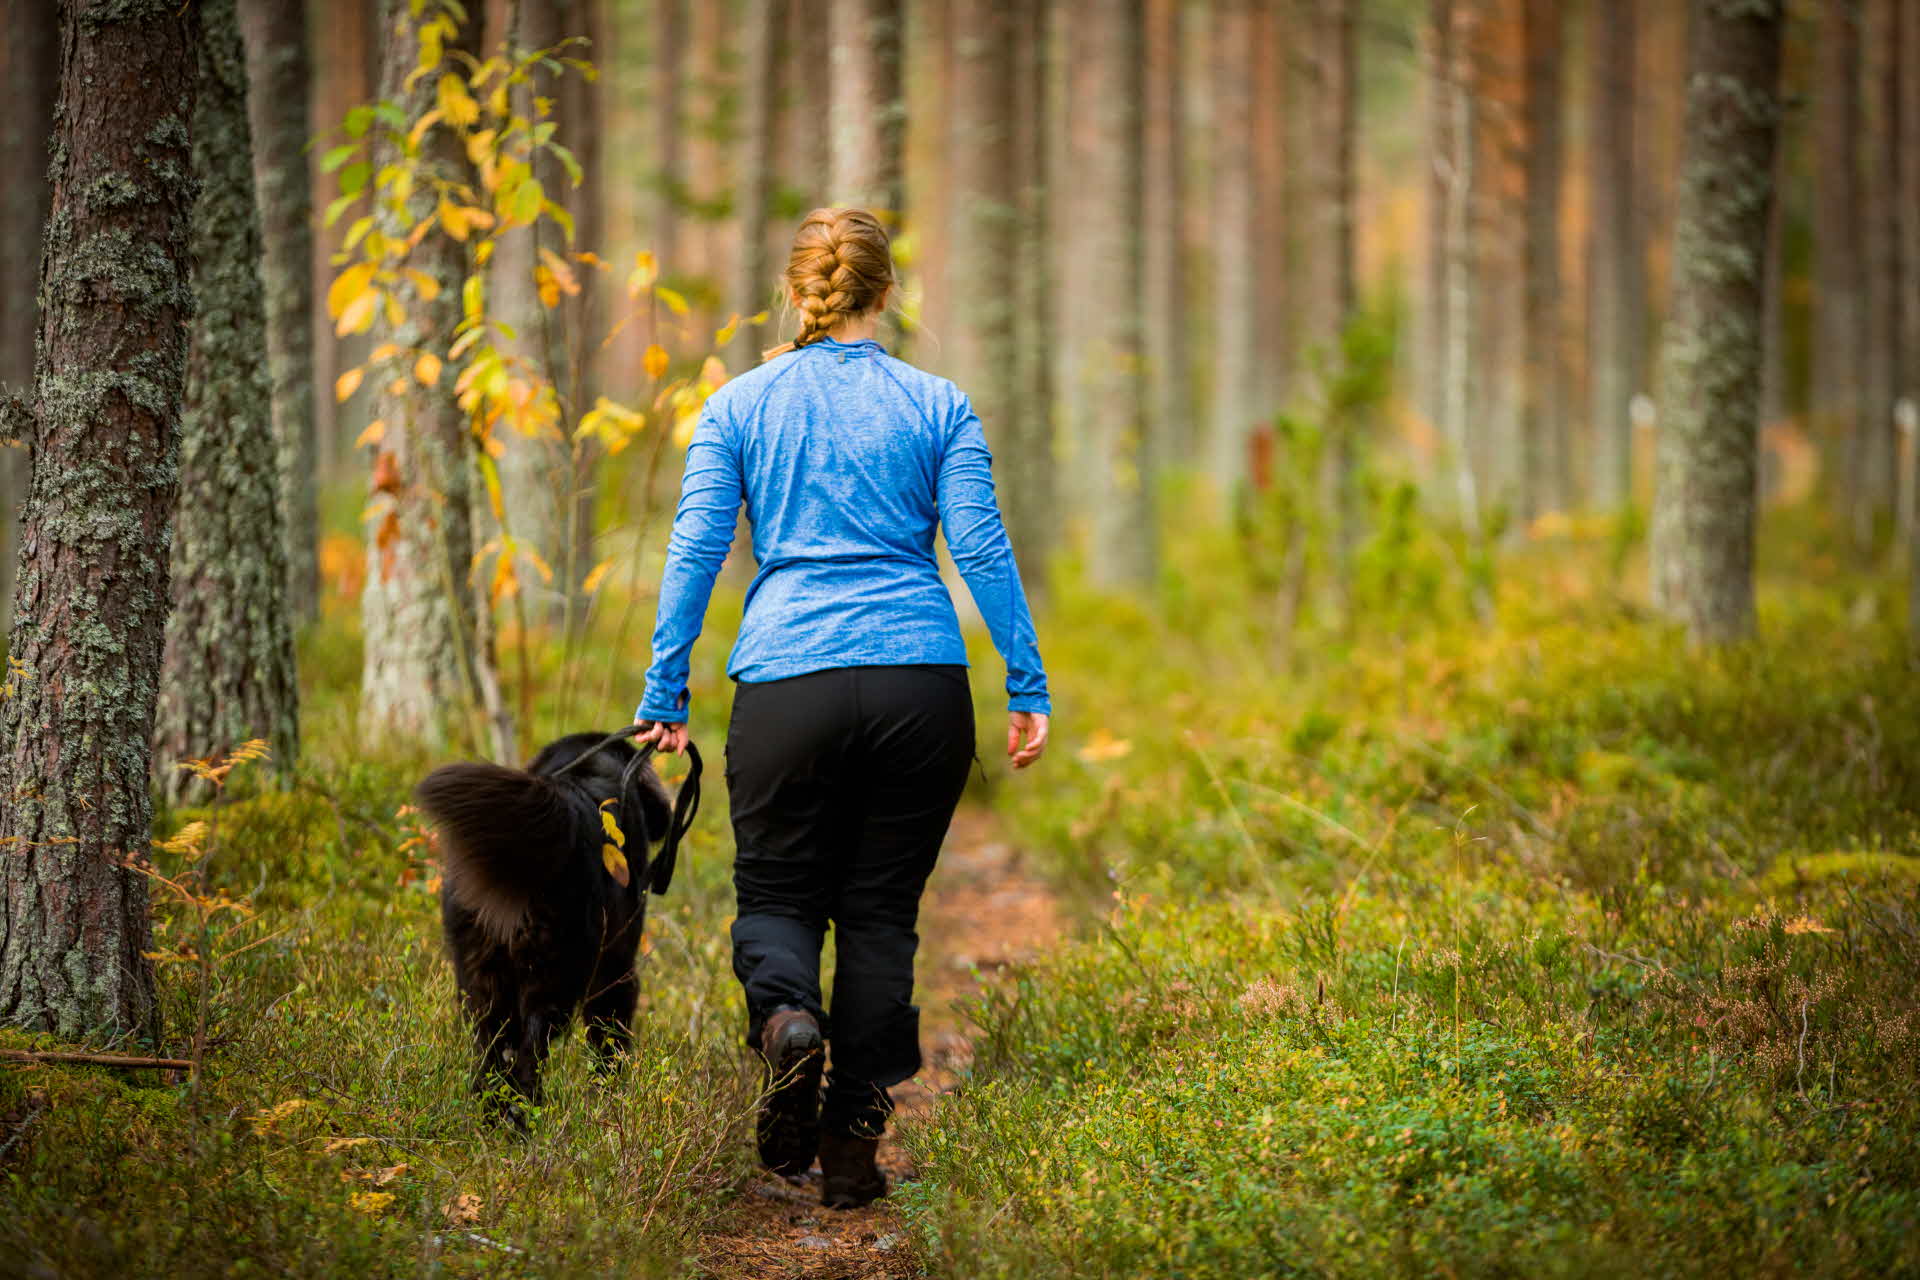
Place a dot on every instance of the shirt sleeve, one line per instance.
(703, 525)
(977, 537)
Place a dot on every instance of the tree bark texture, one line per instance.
(1278, 86)
(90, 600)
(1703, 520)
(1459, 283)
(228, 671)
(1544, 470)
(280, 75)
(1105, 70)
(1436, 65)
(865, 115)
(1330, 263)
(1907, 371)
(32, 61)
(345, 51)
(668, 49)
(1879, 239)
(418, 611)
(1616, 269)
(1235, 253)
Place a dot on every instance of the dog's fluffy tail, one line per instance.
(505, 836)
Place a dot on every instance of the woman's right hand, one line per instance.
(1026, 737)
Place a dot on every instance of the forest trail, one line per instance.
(984, 910)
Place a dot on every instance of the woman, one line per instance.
(852, 726)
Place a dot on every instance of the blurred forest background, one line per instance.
(1463, 452)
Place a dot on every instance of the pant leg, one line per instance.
(787, 750)
(916, 743)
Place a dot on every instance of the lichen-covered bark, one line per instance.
(228, 675)
(1703, 519)
(279, 78)
(90, 603)
(417, 612)
(1104, 70)
(32, 62)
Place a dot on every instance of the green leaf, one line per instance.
(357, 121)
(353, 178)
(337, 156)
(567, 162)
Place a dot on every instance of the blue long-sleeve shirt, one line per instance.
(846, 459)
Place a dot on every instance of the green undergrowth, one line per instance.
(1532, 946)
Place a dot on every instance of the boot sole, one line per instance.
(789, 1126)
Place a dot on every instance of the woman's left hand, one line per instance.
(670, 738)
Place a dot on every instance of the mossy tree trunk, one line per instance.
(32, 62)
(1703, 518)
(418, 610)
(90, 601)
(279, 77)
(228, 675)
(1105, 70)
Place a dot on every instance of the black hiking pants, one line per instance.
(842, 784)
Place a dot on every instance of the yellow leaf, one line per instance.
(611, 825)
(759, 317)
(375, 432)
(357, 315)
(188, 839)
(456, 103)
(347, 286)
(596, 577)
(463, 1209)
(641, 277)
(713, 374)
(549, 287)
(505, 580)
(429, 287)
(656, 361)
(347, 383)
(675, 300)
(724, 334)
(335, 1145)
(385, 351)
(427, 369)
(616, 864)
(453, 218)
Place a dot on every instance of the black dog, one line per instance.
(537, 921)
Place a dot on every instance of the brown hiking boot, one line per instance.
(789, 1124)
(850, 1177)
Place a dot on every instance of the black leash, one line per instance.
(686, 805)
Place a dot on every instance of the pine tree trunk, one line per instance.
(32, 61)
(1332, 262)
(344, 58)
(228, 672)
(865, 114)
(1837, 267)
(279, 76)
(982, 349)
(1030, 457)
(418, 610)
(1879, 211)
(1235, 255)
(1105, 70)
(538, 479)
(1460, 283)
(1907, 372)
(90, 600)
(1436, 65)
(1616, 273)
(1163, 300)
(667, 49)
(1703, 520)
(1280, 188)
(1544, 466)
(753, 286)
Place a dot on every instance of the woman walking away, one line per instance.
(852, 726)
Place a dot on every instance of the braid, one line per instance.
(840, 269)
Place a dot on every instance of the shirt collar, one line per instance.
(849, 350)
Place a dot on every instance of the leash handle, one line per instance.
(686, 805)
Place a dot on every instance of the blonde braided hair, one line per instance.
(840, 268)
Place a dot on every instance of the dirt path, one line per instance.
(983, 911)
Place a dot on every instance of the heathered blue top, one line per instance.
(847, 459)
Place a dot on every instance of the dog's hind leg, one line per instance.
(538, 1029)
(609, 1015)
